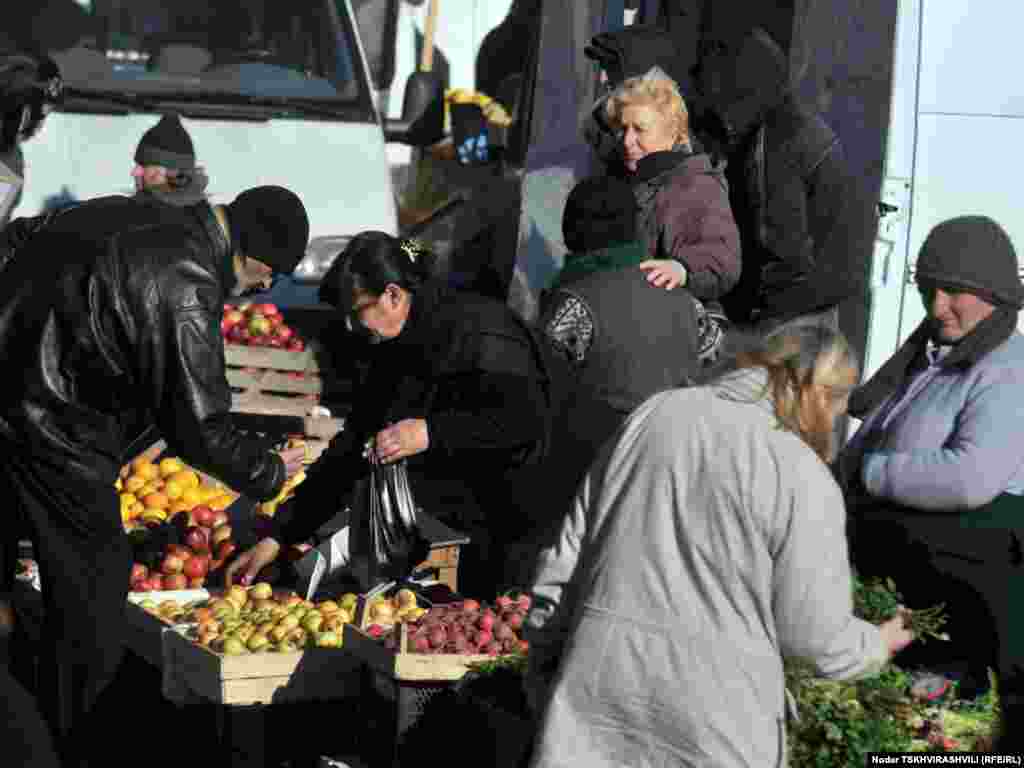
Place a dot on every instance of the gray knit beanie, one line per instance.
(168, 144)
(972, 254)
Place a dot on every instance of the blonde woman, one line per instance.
(707, 542)
(684, 219)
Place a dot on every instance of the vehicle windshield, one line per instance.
(215, 52)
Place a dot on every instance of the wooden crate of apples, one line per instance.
(269, 367)
(251, 645)
(442, 642)
(257, 619)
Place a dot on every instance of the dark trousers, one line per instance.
(24, 736)
(85, 562)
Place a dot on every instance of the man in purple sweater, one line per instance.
(935, 475)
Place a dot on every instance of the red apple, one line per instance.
(234, 317)
(283, 332)
(220, 517)
(225, 550)
(276, 342)
(155, 582)
(140, 585)
(256, 341)
(197, 566)
(245, 306)
(172, 564)
(179, 550)
(139, 572)
(266, 309)
(176, 581)
(295, 344)
(276, 321)
(196, 539)
(228, 307)
(202, 515)
(375, 630)
(244, 337)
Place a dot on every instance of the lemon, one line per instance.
(156, 500)
(192, 496)
(173, 489)
(127, 499)
(187, 478)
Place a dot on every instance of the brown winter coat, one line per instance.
(685, 215)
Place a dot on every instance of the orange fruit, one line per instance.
(146, 470)
(170, 466)
(134, 483)
(176, 507)
(173, 490)
(156, 500)
(209, 492)
(136, 509)
(186, 478)
(127, 499)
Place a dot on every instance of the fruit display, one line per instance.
(258, 325)
(206, 545)
(467, 627)
(154, 492)
(259, 620)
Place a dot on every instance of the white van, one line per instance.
(954, 145)
(271, 92)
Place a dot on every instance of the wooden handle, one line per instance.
(429, 28)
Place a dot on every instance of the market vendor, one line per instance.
(110, 320)
(707, 542)
(935, 474)
(456, 384)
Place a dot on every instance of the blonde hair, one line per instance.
(654, 89)
(796, 359)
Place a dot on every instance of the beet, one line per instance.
(509, 645)
(493, 648)
(504, 632)
(486, 621)
(421, 644)
(514, 619)
(483, 637)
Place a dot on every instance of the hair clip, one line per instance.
(410, 248)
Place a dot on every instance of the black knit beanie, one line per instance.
(600, 212)
(270, 224)
(168, 144)
(972, 254)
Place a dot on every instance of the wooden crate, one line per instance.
(260, 380)
(446, 560)
(260, 678)
(409, 667)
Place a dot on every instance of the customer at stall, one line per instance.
(165, 165)
(119, 335)
(456, 383)
(706, 544)
(685, 220)
(623, 338)
(935, 474)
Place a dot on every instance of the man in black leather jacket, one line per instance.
(110, 326)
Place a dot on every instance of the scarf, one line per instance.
(988, 335)
(612, 258)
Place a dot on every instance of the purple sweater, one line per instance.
(953, 444)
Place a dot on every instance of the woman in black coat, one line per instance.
(455, 383)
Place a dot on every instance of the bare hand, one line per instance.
(895, 634)
(293, 458)
(399, 441)
(664, 273)
(251, 562)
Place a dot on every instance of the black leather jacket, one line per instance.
(110, 325)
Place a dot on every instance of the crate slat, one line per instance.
(420, 667)
(268, 380)
(244, 356)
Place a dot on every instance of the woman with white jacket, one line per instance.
(706, 543)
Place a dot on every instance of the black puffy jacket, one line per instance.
(110, 325)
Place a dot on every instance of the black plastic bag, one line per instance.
(395, 545)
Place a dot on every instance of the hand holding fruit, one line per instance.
(399, 441)
(248, 564)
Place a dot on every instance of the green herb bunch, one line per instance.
(877, 601)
